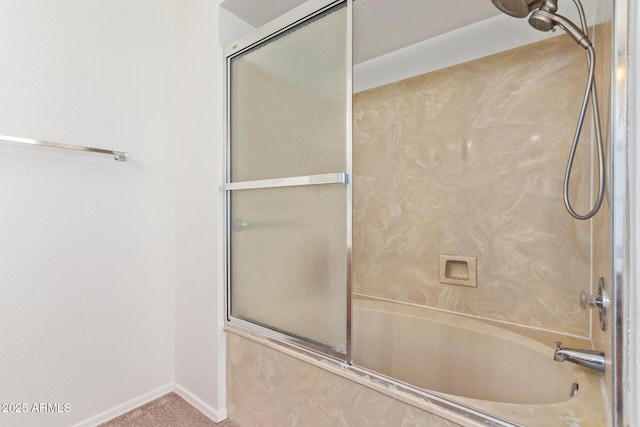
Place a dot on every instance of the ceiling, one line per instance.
(381, 26)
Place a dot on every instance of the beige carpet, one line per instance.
(169, 410)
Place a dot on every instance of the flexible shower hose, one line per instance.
(590, 93)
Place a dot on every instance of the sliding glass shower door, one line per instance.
(288, 169)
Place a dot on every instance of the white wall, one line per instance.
(86, 243)
(199, 341)
(474, 41)
(111, 273)
(199, 338)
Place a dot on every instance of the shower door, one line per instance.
(288, 168)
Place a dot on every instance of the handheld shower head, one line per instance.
(522, 8)
(543, 18)
(546, 21)
(541, 22)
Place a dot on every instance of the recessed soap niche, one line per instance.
(458, 270)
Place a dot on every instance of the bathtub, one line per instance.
(474, 363)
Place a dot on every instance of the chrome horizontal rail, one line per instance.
(329, 178)
(117, 155)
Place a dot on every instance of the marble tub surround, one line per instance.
(268, 387)
(470, 161)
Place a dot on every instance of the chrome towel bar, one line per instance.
(117, 155)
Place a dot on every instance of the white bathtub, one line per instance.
(474, 363)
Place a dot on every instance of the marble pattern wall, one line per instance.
(470, 161)
(268, 388)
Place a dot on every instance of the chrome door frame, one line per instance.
(622, 132)
(298, 15)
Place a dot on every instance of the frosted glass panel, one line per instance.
(289, 261)
(288, 102)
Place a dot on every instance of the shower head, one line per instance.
(541, 21)
(543, 18)
(518, 8)
(546, 21)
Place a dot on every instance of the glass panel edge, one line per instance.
(295, 16)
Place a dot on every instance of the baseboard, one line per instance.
(126, 407)
(215, 415)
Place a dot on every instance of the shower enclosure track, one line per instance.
(117, 155)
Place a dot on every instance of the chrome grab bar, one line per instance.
(117, 155)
